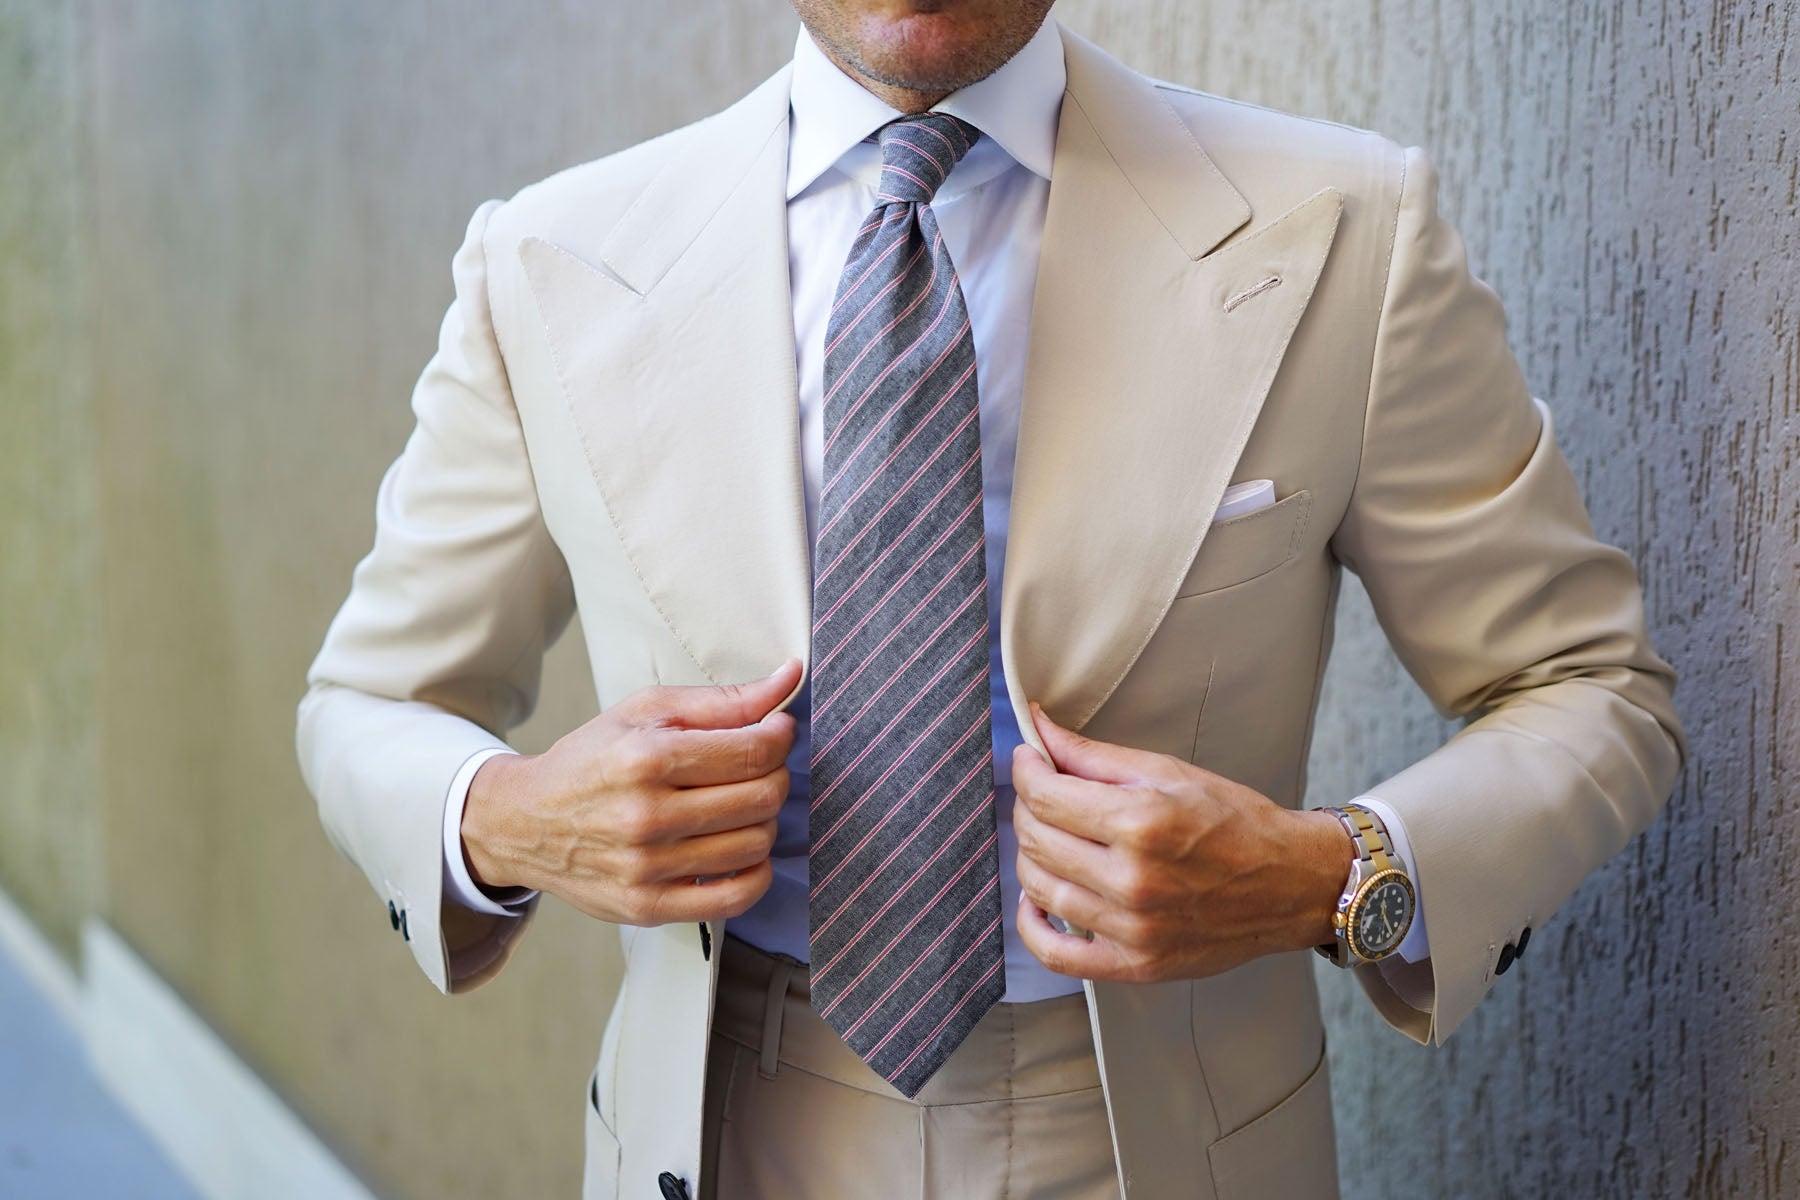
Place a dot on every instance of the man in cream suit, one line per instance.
(1221, 353)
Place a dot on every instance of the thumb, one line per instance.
(733, 705)
(1074, 754)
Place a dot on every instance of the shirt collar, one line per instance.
(1016, 107)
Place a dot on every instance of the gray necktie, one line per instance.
(905, 889)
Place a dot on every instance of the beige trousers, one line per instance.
(793, 1114)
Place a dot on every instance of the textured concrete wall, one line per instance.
(49, 848)
(1626, 175)
(264, 197)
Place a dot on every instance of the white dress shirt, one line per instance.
(991, 211)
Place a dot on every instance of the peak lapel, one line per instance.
(1151, 353)
(674, 343)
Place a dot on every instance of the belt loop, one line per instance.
(779, 971)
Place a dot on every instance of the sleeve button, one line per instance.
(1524, 940)
(1508, 953)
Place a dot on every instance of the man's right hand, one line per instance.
(660, 809)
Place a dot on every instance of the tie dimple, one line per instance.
(904, 908)
(917, 154)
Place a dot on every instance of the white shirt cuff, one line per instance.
(1415, 946)
(458, 884)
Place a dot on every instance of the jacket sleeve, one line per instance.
(1469, 533)
(437, 650)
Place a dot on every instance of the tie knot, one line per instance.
(917, 153)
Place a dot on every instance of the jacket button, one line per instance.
(1508, 953)
(705, 943)
(393, 915)
(1524, 940)
(671, 1187)
(404, 931)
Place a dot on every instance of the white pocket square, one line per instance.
(1246, 497)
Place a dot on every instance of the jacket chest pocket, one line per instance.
(1243, 548)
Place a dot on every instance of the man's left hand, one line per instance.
(1177, 872)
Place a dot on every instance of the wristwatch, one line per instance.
(1376, 909)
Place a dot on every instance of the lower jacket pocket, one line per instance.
(1289, 1151)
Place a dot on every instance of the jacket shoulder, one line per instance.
(598, 190)
(1275, 156)
(590, 197)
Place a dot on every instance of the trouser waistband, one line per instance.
(1016, 1051)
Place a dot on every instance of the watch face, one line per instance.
(1382, 916)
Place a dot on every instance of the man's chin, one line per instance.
(926, 52)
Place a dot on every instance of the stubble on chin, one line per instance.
(925, 52)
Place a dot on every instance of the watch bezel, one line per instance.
(1353, 912)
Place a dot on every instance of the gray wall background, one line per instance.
(225, 228)
(49, 845)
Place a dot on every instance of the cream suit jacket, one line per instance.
(609, 425)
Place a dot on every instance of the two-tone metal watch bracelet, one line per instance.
(1376, 907)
